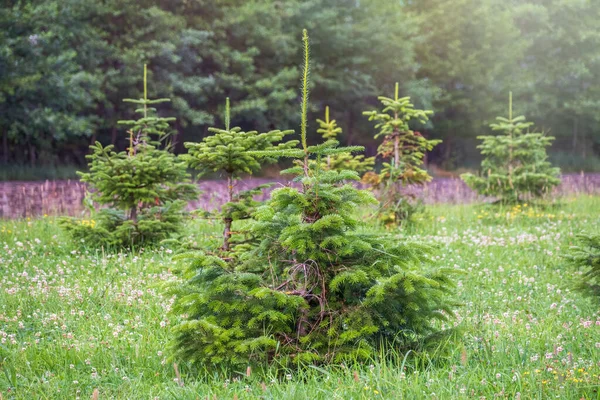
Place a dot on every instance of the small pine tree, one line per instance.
(515, 162)
(586, 255)
(144, 188)
(329, 130)
(314, 288)
(227, 151)
(403, 151)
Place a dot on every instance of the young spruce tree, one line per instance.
(316, 287)
(227, 151)
(402, 151)
(586, 255)
(142, 192)
(515, 162)
(329, 130)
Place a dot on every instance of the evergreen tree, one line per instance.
(561, 96)
(315, 288)
(67, 64)
(586, 255)
(227, 151)
(469, 52)
(515, 162)
(403, 151)
(329, 130)
(144, 187)
(48, 88)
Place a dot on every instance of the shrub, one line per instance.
(515, 162)
(402, 152)
(142, 190)
(314, 286)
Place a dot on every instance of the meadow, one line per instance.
(76, 322)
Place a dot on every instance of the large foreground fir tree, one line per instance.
(515, 162)
(316, 286)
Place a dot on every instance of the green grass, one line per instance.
(74, 319)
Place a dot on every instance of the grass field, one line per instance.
(74, 320)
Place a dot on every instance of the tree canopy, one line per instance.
(65, 66)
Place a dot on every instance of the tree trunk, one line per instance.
(351, 133)
(510, 163)
(396, 138)
(113, 138)
(133, 214)
(228, 220)
(32, 155)
(5, 147)
(302, 321)
(93, 139)
(575, 134)
(447, 152)
(227, 234)
(178, 139)
(396, 151)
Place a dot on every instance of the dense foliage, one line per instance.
(66, 65)
(515, 163)
(314, 286)
(141, 192)
(586, 256)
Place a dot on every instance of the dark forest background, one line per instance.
(66, 65)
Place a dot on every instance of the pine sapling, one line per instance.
(402, 151)
(515, 162)
(141, 192)
(226, 151)
(329, 130)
